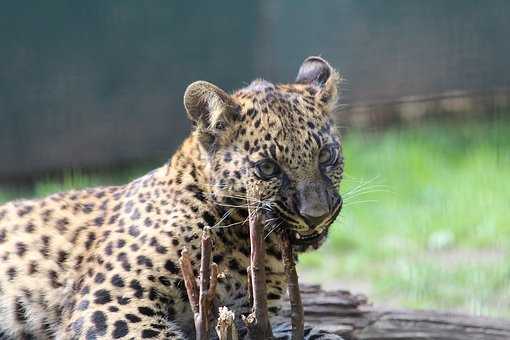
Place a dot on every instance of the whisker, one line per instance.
(364, 192)
(359, 202)
(272, 230)
(361, 186)
(223, 218)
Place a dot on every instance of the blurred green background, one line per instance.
(425, 222)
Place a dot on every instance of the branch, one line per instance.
(258, 324)
(204, 303)
(201, 302)
(250, 286)
(226, 328)
(296, 305)
(189, 279)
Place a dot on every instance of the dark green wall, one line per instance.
(98, 83)
(393, 48)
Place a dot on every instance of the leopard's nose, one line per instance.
(313, 202)
(314, 217)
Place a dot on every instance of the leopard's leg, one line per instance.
(282, 327)
(282, 330)
(124, 318)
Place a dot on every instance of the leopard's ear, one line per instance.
(318, 72)
(210, 109)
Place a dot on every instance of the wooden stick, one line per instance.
(189, 279)
(204, 303)
(226, 327)
(260, 327)
(296, 305)
(201, 301)
(250, 286)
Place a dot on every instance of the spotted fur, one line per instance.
(103, 263)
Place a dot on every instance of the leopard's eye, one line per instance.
(327, 156)
(267, 169)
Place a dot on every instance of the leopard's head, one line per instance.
(274, 148)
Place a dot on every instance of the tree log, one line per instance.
(353, 318)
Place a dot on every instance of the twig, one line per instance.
(201, 302)
(189, 279)
(226, 327)
(258, 324)
(296, 305)
(204, 303)
(250, 286)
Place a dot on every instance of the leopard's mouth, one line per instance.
(314, 238)
(311, 237)
(307, 239)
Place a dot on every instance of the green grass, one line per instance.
(426, 221)
(426, 218)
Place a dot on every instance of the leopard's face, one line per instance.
(274, 148)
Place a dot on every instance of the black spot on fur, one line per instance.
(62, 257)
(208, 218)
(45, 249)
(62, 224)
(109, 249)
(78, 325)
(53, 275)
(87, 208)
(21, 249)
(102, 296)
(159, 248)
(153, 294)
(146, 311)
(11, 273)
(149, 333)
(98, 318)
(171, 267)
(234, 265)
(30, 227)
(83, 305)
(91, 237)
(273, 296)
(117, 281)
(24, 211)
(123, 300)
(20, 312)
(32, 268)
(91, 334)
(136, 215)
(120, 329)
(197, 192)
(98, 221)
(164, 281)
(135, 285)
(99, 278)
(143, 260)
(134, 231)
(217, 258)
(133, 318)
